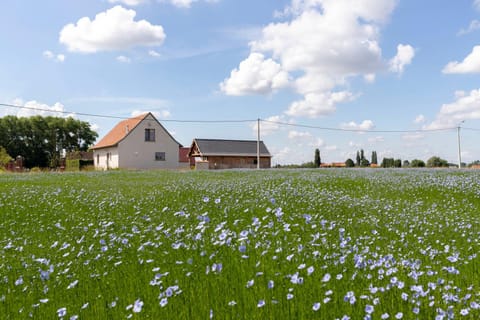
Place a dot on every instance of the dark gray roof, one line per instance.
(216, 147)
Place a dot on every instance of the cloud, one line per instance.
(419, 119)
(124, 59)
(47, 54)
(474, 25)
(471, 64)
(318, 104)
(269, 125)
(185, 4)
(404, 57)
(376, 139)
(131, 3)
(255, 75)
(364, 126)
(33, 108)
(322, 45)
(413, 136)
(114, 29)
(465, 107)
(154, 53)
(159, 114)
(476, 4)
(298, 135)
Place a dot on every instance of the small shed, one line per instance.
(229, 154)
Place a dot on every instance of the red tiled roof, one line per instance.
(119, 132)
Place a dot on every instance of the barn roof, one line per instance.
(218, 147)
(122, 129)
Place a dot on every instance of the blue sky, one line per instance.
(374, 65)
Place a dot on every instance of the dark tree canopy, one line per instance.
(40, 140)
(435, 162)
(4, 157)
(416, 163)
(374, 157)
(349, 163)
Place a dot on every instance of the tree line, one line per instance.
(42, 140)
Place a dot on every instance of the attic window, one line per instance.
(149, 134)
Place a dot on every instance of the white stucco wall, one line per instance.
(106, 158)
(136, 153)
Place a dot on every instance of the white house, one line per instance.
(139, 143)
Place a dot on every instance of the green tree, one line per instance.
(364, 163)
(436, 162)
(416, 163)
(388, 163)
(41, 140)
(397, 163)
(374, 157)
(317, 161)
(358, 159)
(349, 163)
(4, 157)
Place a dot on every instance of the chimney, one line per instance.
(126, 129)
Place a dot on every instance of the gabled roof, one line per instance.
(123, 129)
(217, 147)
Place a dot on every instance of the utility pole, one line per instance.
(459, 150)
(258, 143)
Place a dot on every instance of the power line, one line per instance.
(358, 130)
(237, 121)
(118, 117)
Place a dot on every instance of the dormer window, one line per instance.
(149, 134)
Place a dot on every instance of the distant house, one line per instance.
(228, 154)
(138, 143)
(333, 165)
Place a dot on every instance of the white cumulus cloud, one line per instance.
(419, 119)
(473, 26)
(255, 75)
(269, 125)
(154, 53)
(318, 104)
(294, 135)
(404, 57)
(159, 114)
(322, 45)
(471, 64)
(465, 107)
(364, 126)
(186, 3)
(124, 59)
(131, 3)
(114, 29)
(47, 54)
(32, 108)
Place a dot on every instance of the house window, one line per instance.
(149, 134)
(159, 156)
(255, 161)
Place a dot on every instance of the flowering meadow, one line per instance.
(270, 244)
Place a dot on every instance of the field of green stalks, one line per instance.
(270, 244)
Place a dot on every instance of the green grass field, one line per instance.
(277, 244)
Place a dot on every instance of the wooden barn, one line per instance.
(228, 154)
